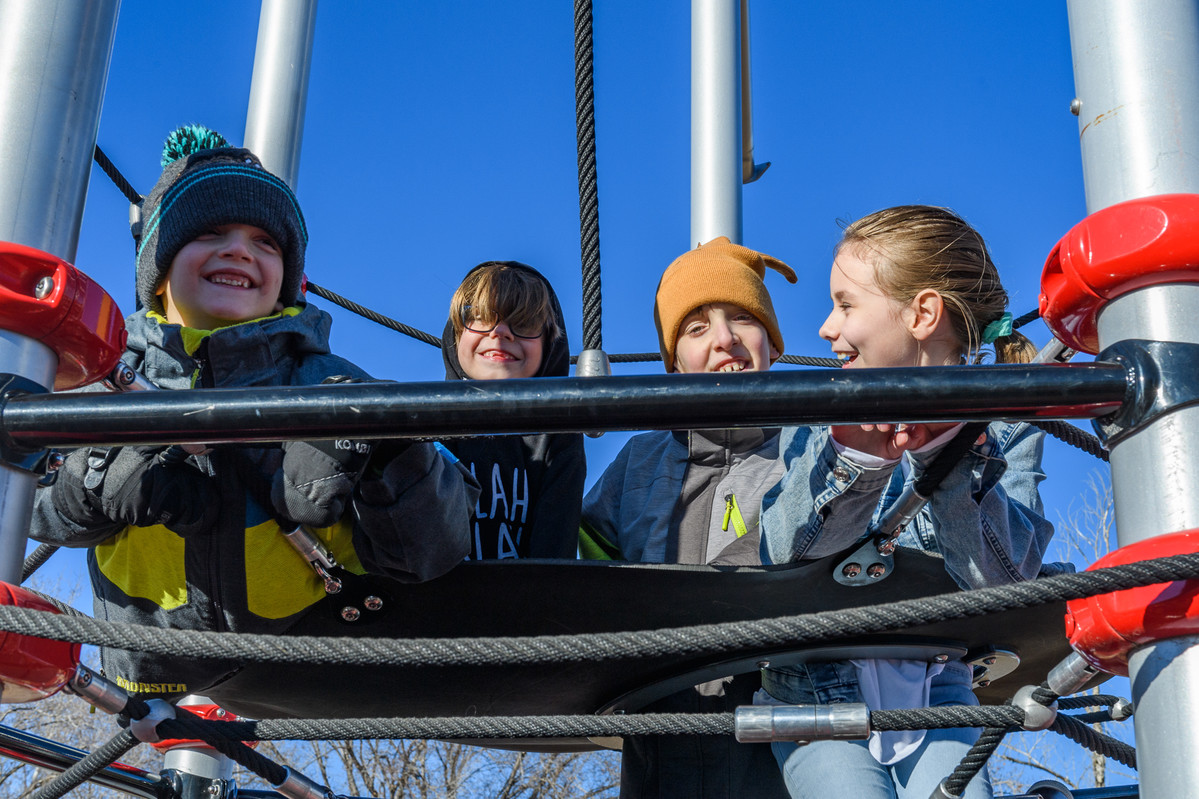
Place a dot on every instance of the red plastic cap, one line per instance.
(1143, 242)
(74, 316)
(1105, 629)
(32, 668)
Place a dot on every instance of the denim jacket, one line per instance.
(986, 519)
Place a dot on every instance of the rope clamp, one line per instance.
(1037, 717)
(847, 721)
(297, 786)
(145, 729)
(317, 556)
(1160, 381)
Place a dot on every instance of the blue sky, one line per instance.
(439, 135)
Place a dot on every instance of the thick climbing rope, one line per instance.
(115, 176)
(1094, 740)
(792, 631)
(36, 559)
(589, 239)
(379, 318)
(988, 741)
(96, 761)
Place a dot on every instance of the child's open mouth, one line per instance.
(226, 279)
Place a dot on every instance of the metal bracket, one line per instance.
(19, 457)
(873, 561)
(1161, 380)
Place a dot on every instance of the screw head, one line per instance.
(372, 603)
(989, 661)
(763, 664)
(1076, 106)
(350, 613)
(851, 570)
(876, 571)
(983, 683)
(941, 658)
(44, 287)
(54, 461)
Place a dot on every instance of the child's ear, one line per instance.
(925, 313)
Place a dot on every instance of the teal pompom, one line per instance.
(189, 139)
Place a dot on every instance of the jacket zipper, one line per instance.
(733, 513)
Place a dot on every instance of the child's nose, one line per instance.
(236, 245)
(501, 330)
(828, 330)
(723, 335)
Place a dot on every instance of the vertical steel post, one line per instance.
(54, 57)
(715, 120)
(279, 86)
(1136, 73)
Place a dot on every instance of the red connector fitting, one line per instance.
(32, 668)
(48, 299)
(1144, 242)
(206, 712)
(1105, 629)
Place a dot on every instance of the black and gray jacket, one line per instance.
(220, 561)
(531, 486)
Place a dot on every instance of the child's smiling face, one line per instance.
(498, 354)
(722, 337)
(233, 273)
(866, 327)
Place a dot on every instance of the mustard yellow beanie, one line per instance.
(718, 271)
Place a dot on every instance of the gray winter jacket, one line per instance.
(196, 545)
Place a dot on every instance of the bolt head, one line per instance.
(851, 570)
(876, 571)
(763, 664)
(44, 287)
(983, 683)
(941, 658)
(350, 614)
(372, 603)
(989, 661)
(1076, 106)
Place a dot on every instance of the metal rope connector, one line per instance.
(297, 786)
(317, 555)
(97, 691)
(1069, 676)
(593, 363)
(802, 724)
(1037, 716)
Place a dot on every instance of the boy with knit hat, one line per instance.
(194, 540)
(693, 497)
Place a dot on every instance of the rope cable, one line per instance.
(36, 560)
(589, 240)
(89, 766)
(363, 311)
(791, 631)
(115, 176)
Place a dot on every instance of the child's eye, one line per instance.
(695, 329)
(268, 243)
(745, 317)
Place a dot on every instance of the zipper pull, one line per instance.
(733, 513)
(728, 511)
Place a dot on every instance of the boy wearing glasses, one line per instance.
(505, 322)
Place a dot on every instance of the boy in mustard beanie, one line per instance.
(693, 497)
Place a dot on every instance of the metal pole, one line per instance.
(576, 404)
(1136, 73)
(54, 57)
(279, 86)
(715, 120)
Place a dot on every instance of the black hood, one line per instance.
(555, 358)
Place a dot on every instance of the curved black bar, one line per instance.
(446, 409)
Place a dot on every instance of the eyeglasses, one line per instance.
(523, 329)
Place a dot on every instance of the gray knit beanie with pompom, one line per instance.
(206, 183)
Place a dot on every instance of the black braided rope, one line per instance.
(589, 239)
(1094, 740)
(482, 727)
(91, 765)
(1088, 700)
(115, 176)
(1021, 321)
(975, 759)
(36, 560)
(350, 305)
(1096, 717)
(585, 648)
(217, 735)
(1074, 436)
(946, 717)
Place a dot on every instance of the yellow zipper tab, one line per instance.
(733, 513)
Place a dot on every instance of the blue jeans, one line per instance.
(832, 768)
